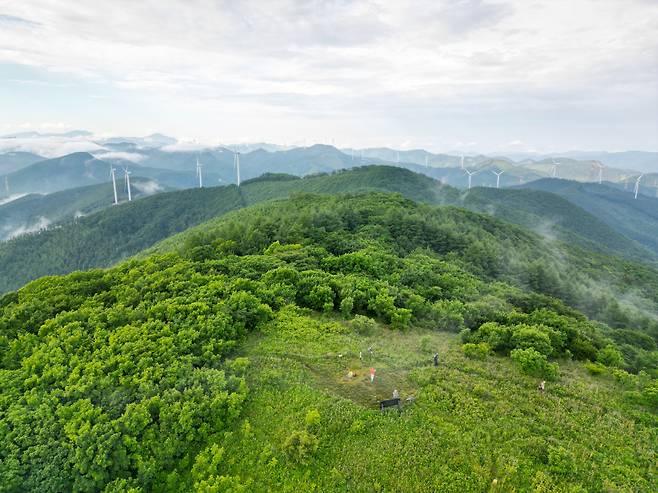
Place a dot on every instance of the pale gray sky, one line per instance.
(445, 75)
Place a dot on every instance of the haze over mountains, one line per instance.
(173, 163)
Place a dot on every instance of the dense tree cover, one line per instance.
(118, 379)
(108, 236)
(490, 249)
(634, 218)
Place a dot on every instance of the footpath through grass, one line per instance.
(472, 426)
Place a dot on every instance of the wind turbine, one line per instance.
(554, 168)
(462, 162)
(127, 178)
(599, 165)
(470, 175)
(497, 173)
(114, 184)
(236, 165)
(199, 172)
(637, 185)
(7, 185)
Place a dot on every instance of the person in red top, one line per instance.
(372, 375)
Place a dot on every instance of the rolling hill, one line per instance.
(240, 360)
(635, 218)
(14, 161)
(103, 238)
(82, 169)
(33, 212)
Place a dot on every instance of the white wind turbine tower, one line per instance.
(600, 166)
(236, 165)
(462, 162)
(114, 184)
(470, 175)
(554, 168)
(127, 178)
(637, 185)
(199, 172)
(7, 185)
(497, 173)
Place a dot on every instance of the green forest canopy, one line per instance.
(129, 378)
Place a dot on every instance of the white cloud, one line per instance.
(148, 187)
(285, 66)
(11, 198)
(38, 225)
(50, 147)
(126, 156)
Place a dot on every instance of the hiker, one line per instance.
(370, 350)
(542, 386)
(396, 394)
(372, 375)
(361, 355)
(436, 359)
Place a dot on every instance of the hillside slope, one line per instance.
(33, 212)
(98, 240)
(241, 362)
(635, 218)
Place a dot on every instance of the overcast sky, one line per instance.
(440, 74)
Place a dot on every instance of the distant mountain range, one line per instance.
(109, 235)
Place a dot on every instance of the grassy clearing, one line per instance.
(474, 425)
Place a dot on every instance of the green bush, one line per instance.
(595, 368)
(610, 356)
(534, 363)
(527, 336)
(363, 325)
(400, 318)
(300, 446)
(476, 351)
(312, 419)
(346, 306)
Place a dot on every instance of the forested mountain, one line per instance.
(82, 169)
(33, 212)
(104, 238)
(240, 361)
(635, 218)
(13, 161)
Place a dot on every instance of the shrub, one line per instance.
(312, 419)
(532, 362)
(363, 325)
(321, 298)
(624, 378)
(595, 368)
(497, 336)
(610, 356)
(476, 351)
(466, 335)
(400, 318)
(300, 446)
(527, 336)
(650, 394)
(346, 306)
